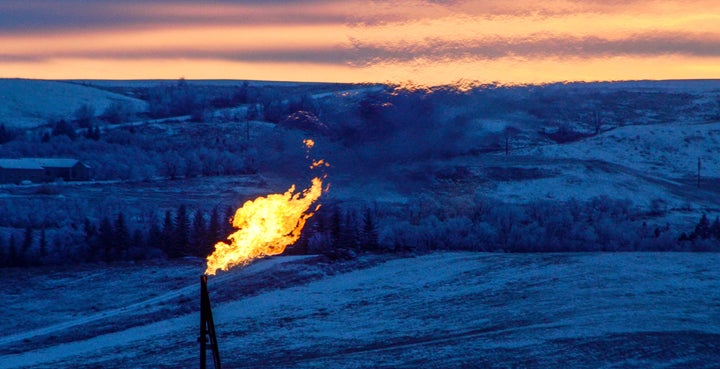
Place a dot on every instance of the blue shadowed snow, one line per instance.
(439, 310)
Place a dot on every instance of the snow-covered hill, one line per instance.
(447, 310)
(28, 103)
(669, 150)
(650, 165)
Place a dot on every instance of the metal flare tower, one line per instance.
(208, 339)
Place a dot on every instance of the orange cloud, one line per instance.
(357, 41)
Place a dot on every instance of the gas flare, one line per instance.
(267, 225)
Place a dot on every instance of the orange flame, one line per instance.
(319, 163)
(266, 226)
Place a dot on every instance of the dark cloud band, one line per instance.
(646, 44)
(361, 53)
(37, 17)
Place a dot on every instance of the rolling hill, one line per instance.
(29, 103)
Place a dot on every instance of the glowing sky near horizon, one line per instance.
(427, 42)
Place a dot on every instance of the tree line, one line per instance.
(177, 234)
(342, 232)
(705, 236)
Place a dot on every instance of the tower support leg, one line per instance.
(208, 339)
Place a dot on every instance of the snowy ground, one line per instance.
(28, 103)
(441, 310)
(643, 164)
(670, 150)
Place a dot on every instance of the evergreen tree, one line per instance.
(90, 239)
(369, 233)
(344, 234)
(715, 228)
(336, 225)
(702, 229)
(683, 237)
(320, 223)
(43, 244)
(64, 128)
(154, 235)
(199, 235)
(138, 241)
(122, 238)
(6, 135)
(349, 234)
(168, 234)
(213, 231)
(25, 256)
(182, 232)
(105, 239)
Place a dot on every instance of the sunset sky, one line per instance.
(428, 42)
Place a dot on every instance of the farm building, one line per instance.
(43, 170)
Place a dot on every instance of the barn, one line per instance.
(43, 170)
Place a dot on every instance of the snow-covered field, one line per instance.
(670, 150)
(30, 103)
(443, 310)
(643, 164)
